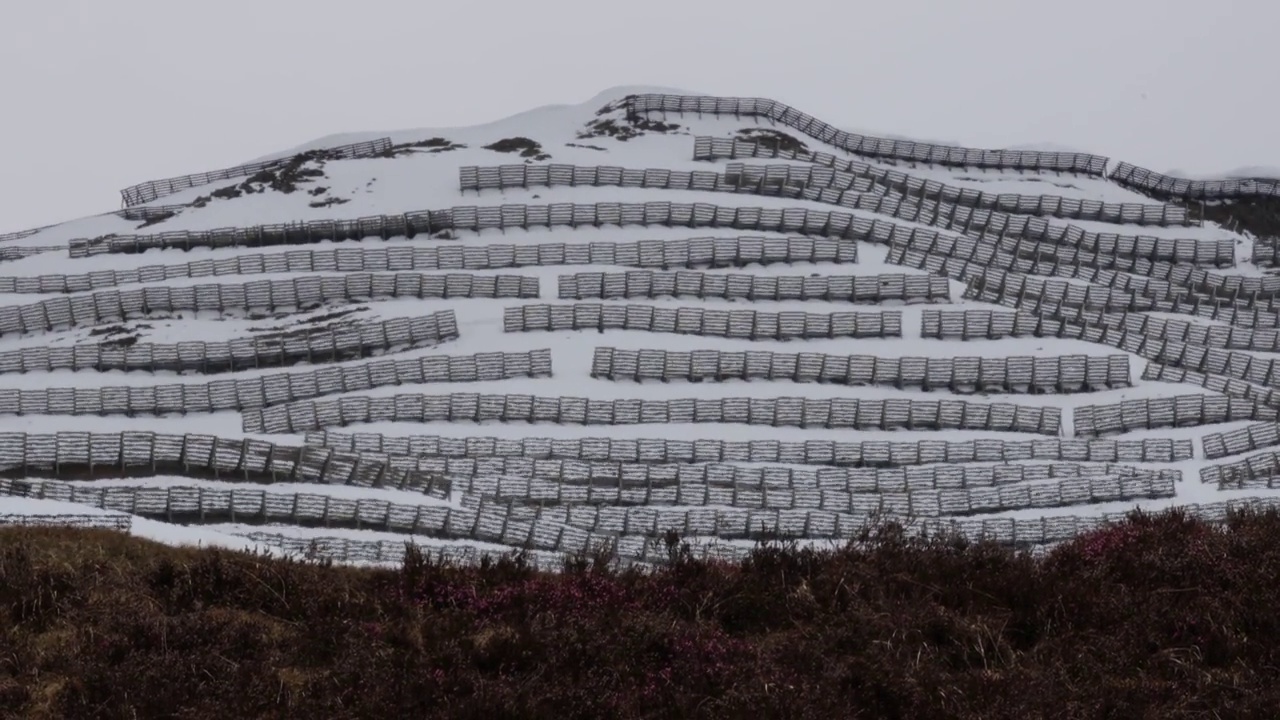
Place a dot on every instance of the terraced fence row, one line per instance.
(1254, 473)
(915, 503)
(312, 346)
(1067, 374)
(892, 182)
(236, 394)
(735, 324)
(838, 453)
(1178, 411)
(562, 528)
(692, 252)
(850, 192)
(788, 221)
(156, 189)
(1030, 532)
(828, 288)
(867, 146)
(260, 295)
(776, 412)
(479, 474)
(90, 456)
(1238, 442)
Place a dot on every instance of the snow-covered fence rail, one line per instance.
(867, 146)
(836, 453)
(1150, 182)
(1050, 492)
(1237, 442)
(88, 456)
(1066, 374)
(887, 181)
(18, 253)
(1152, 413)
(839, 413)
(124, 523)
(828, 288)
(156, 189)
(239, 394)
(263, 295)
(692, 252)
(850, 192)
(313, 346)
(737, 324)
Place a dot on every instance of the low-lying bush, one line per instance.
(1158, 617)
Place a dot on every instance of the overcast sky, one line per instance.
(98, 95)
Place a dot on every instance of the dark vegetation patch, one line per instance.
(1157, 617)
(585, 147)
(430, 145)
(157, 219)
(306, 326)
(523, 146)
(624, 125)
(119, 335)
(771, 138)
(328, 202)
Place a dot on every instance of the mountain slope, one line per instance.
(654, 311)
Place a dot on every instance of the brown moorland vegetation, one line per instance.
(1158, 617)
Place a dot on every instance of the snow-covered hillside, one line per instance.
(649, 312)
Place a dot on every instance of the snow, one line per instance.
(422, 179)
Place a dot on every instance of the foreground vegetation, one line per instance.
(1159, 617)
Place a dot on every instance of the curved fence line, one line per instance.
(313, 347)
(838, 453)
(88, 456)
(1066, 374)
(659, 254)
(843, 190)
(1238, 442)
(272, 390)
(123, 523)
(736, 324)
(21, 253)
(156, 189)
(266, 295)
(1152, 183)
(1149, 414)
(918, 502)
(887, 181)
(867, 146)
(777, 412)
(828, 288)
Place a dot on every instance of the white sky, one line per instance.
(100, 95)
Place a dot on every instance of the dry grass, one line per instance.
(1159, 618)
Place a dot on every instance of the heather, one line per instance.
(1161, 616)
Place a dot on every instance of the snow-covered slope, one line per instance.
(596, 323)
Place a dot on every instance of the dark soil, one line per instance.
(525, 147)
(768, 137)
(1158, 617)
